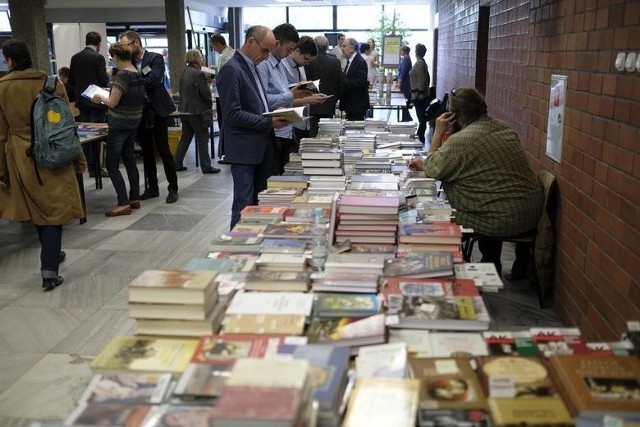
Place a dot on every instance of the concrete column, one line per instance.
(174, 10)
(29, 25)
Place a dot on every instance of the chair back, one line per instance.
(544, 244)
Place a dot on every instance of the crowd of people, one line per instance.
(268, 72)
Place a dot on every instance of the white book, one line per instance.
(94, 89)
(385, 360)
(312, 85)
(293, 114)
(295, 303)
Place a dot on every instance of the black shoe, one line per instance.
(222, 161)
(51, 283)
(211, 170)
(149, 194)
(103, 173)
(172, 197)
(181, 168)
(63, 256)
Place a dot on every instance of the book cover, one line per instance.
(271, 303)
(447, 383)
(180, 415)
(559, 341)
(363, 204)
(202, 380)
(129, 388)
(287, 231)
(284, 324)
(109, 414)
(235, 244)
(484, 272)
(255, 404)
(247, 230)
(345, 305)
(383, 402)
(383, 360)
(428, 417)
(229, 265)
(272, 280)
(145, 354)
(507, 343)
(292, 114)
(520, 391)
(312, 85)
(593, 385)
(217, 349)
(263, 210)
(274, 372)
(93, 89)
(434, 264)
(348, 331)
(172, 286)
(457, 344)
(283, 246)
(440, 233)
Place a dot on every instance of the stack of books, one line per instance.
(322, 161)
(375, 125)
(326, 184)
(373, 181)
(328, 128)
(278, 196)
(175, 303)
(367, 220)
(363, 142)
(439, 236)
(287, 181)
(406, 128)
(304, 215)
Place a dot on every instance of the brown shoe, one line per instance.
(134, 204)
(119, 210)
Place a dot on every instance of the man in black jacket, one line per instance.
(154, 125)
(354, 100)
(326, 68)
(89, 67)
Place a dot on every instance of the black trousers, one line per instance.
(150, 141)
(284, 147)
(50, 237)
(421, 110)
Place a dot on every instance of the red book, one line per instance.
(215, 349)
(440, 233)
(364, 204)
(255, 403)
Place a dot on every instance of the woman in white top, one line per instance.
(373, 62)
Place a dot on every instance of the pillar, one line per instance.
(174, 11)
(29, 25)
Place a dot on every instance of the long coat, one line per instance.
(57, 200)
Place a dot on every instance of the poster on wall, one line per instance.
(555, 124)
(391, 51)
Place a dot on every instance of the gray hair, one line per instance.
(322, 43)
(353, 42)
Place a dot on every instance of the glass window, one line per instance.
(5, 25)
(311, 18)
(411, 16)
(267, 16)
(358, 17)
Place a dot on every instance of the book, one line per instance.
(202, 380)
(368, 205)
(180, 415)
(321, 153)
(345, 305)
(235, 244)
(418, 341)
(384, 360)
(593, 386)
(93, 89)
(447, 383)
(507, 343)
(271, 303)
(181, 327)
(129, 388)
(520, 391)
(312, 85)
(383, 402)
(435, 304)
(428, 417)
(283, 324)
(173, 311)
(559, 341)
(282, 262)
(434, 233)
(283, 246)
(263, 280)
(292, 114)
(217, 349)
(429, 264)
(143, 354)
(247, 230)
(172, 286)
(484, 273)
(457, 344)
(347, 331)
(288, 231)
(229, 265)
(109, 414)
(263, 211)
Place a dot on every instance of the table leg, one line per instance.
(96, 164)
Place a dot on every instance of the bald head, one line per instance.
(258, 43)
(323, 43)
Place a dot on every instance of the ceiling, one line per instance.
(202, 5)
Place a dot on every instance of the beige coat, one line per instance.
(57, 200)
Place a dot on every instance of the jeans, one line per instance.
(190, 126)
(150, 141)
(91, 115)
(120, 144)
(421, 110)
(50, 237)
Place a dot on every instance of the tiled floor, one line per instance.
(48, 339)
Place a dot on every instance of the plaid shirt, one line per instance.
(487, 179)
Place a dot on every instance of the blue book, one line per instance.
(329, 366)
(283, 246)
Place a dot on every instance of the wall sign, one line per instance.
(555, 124)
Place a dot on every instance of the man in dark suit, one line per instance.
(154, 125)
(249, 139)
(326, 68)
(354, 100)
(88, 67)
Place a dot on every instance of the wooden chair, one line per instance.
(541, 241)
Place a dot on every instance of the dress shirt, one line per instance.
(273, 75)
(256, 77)
(225, 55)
(296, 74)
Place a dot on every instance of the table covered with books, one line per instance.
(393, 330)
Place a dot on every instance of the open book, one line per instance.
(93, 89)
(312, 85)
(294, 114)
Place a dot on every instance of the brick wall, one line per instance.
(597, 285)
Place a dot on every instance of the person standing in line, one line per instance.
(327, 69)
(404, 82)
(294, 64)
(195, 98)
(219, 45)
(338, 51)
(125, 103)
(248, 134)
(354, 99)
(420, 81)
(51, 201)
(152, 133)
(273, 76)
(89, 67)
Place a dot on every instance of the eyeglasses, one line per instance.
(264, 50)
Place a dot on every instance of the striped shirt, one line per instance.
(487, 179)
(128, 112)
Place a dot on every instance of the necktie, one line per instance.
(299, 74)
(346, 67)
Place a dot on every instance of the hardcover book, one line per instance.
(274, 281)
(345, 305)
(109, 414)
(506, 343)
(383, 402)
(433, 264)
(179, 415)
(435, 233)
(284, 324)
(202, 380)
(457, 344)
(217, 349)
(346, 332)
(129, 388)
(271, 303)
(288, 231)
(283, 246)
(145, 355)
(173, 287)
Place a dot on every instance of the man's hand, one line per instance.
(444, 121)
(299, 92)
(279, 122)
(416, 164)
(316, 98)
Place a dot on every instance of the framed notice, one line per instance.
(391, 51)
(555, 124)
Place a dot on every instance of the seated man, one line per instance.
(485, 173)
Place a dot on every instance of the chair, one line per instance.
(541, 242)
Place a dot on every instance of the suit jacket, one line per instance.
(326, 68)
(152, 68)
(246, 132)
(355, 87)
(195, 96)
(87, 67)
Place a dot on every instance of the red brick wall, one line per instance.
(597, 285)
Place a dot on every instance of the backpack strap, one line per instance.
(50, 84)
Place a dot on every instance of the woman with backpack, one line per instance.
(29, 191)
(125, 103)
